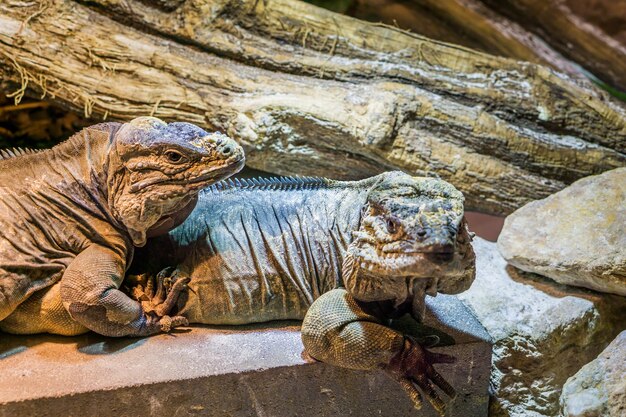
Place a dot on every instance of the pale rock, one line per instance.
(576, 236)
(599, 388)
(543, 332)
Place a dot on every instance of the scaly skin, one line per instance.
(348, 255)
(71, 216)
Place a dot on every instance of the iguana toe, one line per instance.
(168, 323)
(158, 297)
(162, 283)
(413, 367)
(171, 299)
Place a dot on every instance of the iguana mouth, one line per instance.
(210, 174)
(434, 256)
(172, 220)
(403, 261)
(206, 175)
(405, 278)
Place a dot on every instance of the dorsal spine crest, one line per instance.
(272, 183)
(15, 152)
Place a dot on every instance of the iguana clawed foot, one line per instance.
(341, 331)
(159, 295)
(413, 367)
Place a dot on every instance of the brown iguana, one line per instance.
(349, 255)
(70, 216)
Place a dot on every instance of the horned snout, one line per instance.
(226, 147)
(229, 148)
(434, 236)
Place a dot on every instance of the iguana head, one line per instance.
(156, 170)
(412, 240)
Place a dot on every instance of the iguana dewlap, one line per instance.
(348, 255)
(70, 217)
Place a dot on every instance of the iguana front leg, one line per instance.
(89, 291)
(338, 331)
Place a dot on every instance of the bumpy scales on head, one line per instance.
(412, 241)
(159, 168)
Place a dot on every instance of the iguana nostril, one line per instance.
(228, 148)
(421, 232)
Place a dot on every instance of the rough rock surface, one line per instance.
(599, 388)
(234, 371)
(543, 332)
(576, 236)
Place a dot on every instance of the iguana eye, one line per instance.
(174, 156)
(392, 226)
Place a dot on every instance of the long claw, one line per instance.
(149, 289)
(160, 292)
(431, 394)
(442, 383)
(430, 340)
(434, 357)
(412, 392)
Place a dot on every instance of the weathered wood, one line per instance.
(573, 36)
(571, 28)
(469, 23)
(309, 92)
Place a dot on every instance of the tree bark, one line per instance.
(574, 28)
(470, 23)
(577, 37)
(309, 92)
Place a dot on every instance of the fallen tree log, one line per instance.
(309, 92)
(567, 35)
(469, 23)
(587, 32)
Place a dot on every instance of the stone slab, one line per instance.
(543, 332)
(599, 388)
(227, 371)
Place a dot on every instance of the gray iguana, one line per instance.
(70, 217)
(345, 256)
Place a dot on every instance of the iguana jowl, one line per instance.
(349, 255)
(71, 216)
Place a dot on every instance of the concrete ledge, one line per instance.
(228, 371)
